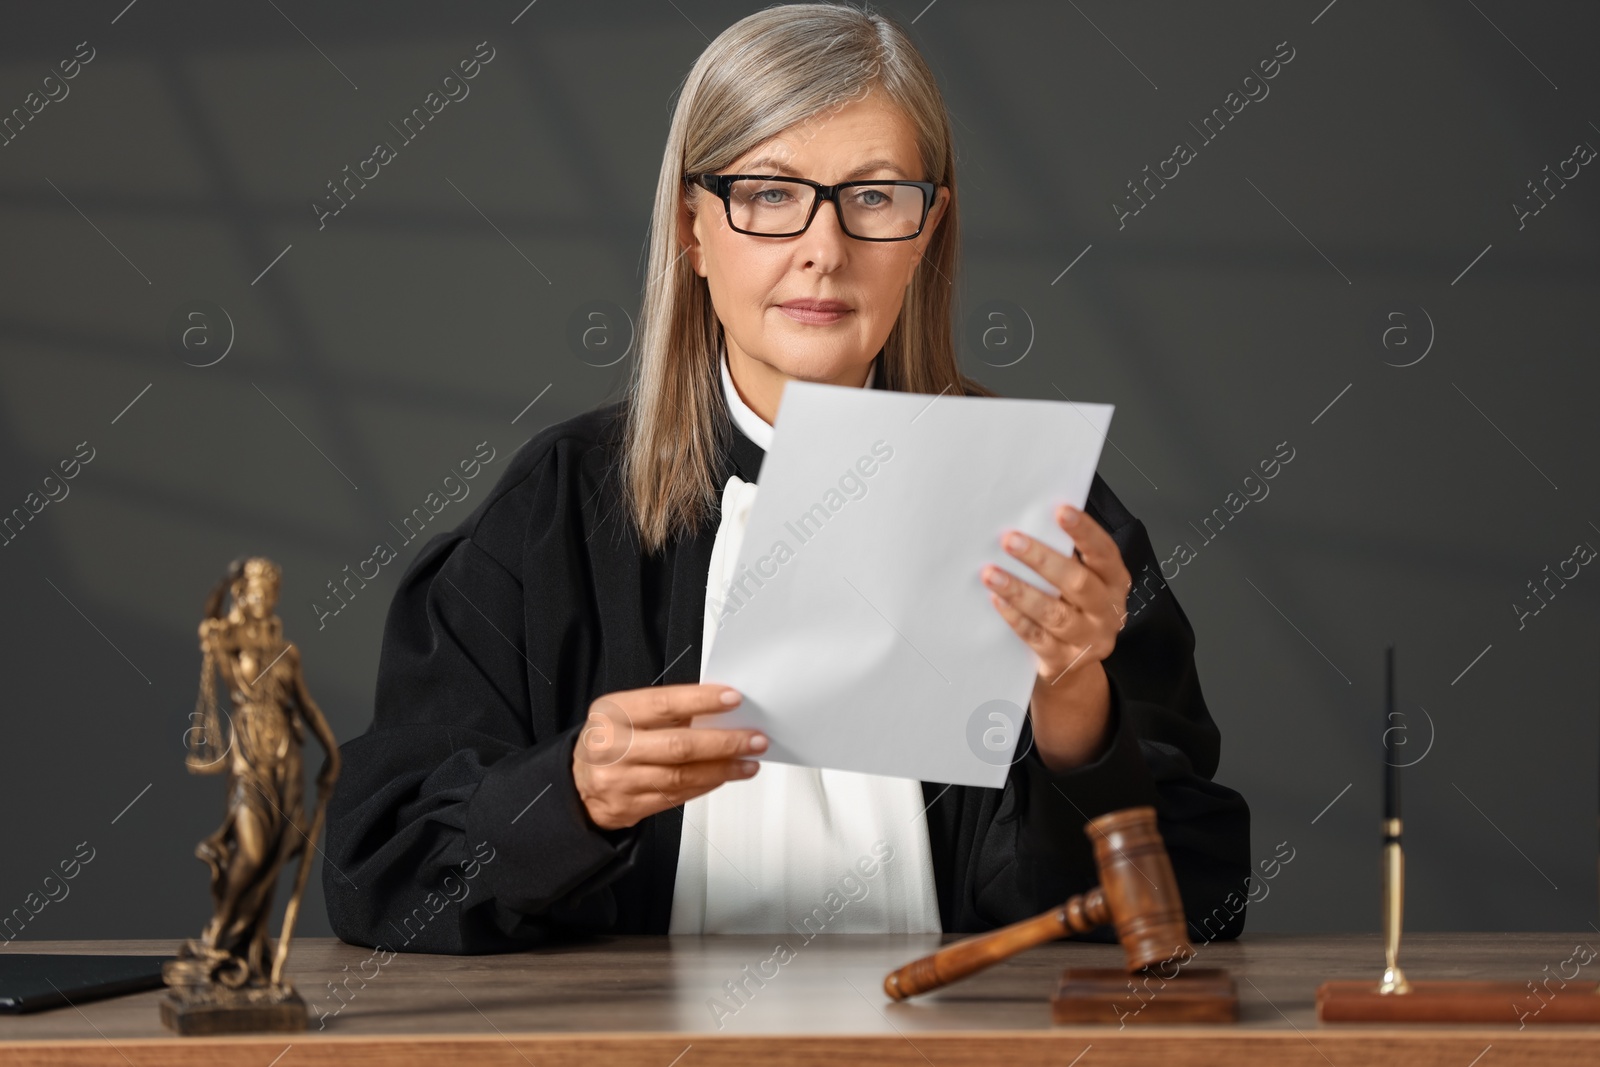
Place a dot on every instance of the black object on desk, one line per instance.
(38, 981)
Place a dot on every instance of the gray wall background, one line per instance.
(1248, 296)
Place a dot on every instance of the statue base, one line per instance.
(220, 1010)
(197, 1002)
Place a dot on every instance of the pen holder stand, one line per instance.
(1459, 1002)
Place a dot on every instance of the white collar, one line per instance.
(754, 426)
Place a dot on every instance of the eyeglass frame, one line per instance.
(721, 186)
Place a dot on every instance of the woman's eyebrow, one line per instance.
(778, 167)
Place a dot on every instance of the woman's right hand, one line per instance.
(637, 753)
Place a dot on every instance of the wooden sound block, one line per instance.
(1109, 995)
(1458, 1002)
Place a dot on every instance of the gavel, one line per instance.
(1138, 893)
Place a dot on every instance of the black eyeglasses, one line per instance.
(771, 205)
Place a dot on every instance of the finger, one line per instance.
(664, 705)
(1080, 585)
(692, 745)
(1035, 636)
(1086, 591)
(1051, 563)
(685, 781)
(1097, 548)
(1049, 613)
(1049, 647)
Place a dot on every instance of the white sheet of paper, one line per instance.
(857, 625)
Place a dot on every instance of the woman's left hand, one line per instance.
(1071, 635)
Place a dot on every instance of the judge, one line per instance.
(532, 772)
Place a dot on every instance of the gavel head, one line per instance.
(1139, 888)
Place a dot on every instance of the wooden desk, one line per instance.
(644, 1001)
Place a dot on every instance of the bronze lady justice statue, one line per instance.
(221, 981)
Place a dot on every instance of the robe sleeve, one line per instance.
(455, 826)
(1163, 749)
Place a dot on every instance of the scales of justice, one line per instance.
(230, 978)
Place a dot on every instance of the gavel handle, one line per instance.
(1078, 915)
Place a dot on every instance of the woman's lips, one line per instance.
(813, 316)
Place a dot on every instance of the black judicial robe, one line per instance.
(455, 826)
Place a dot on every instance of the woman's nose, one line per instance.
(827, 240)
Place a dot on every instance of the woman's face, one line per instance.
(750, 278)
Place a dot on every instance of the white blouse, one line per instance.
(790, 850)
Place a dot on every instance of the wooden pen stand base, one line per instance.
(1108, 995)
(1458, 1002)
